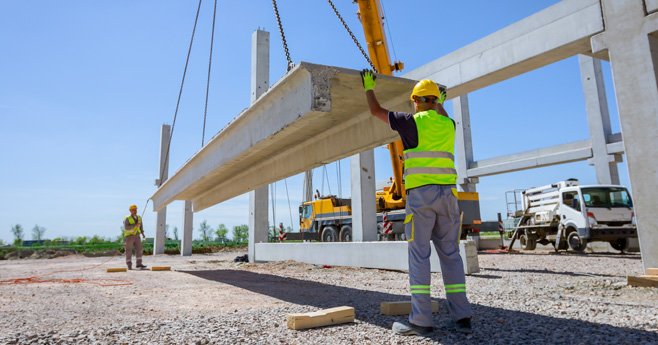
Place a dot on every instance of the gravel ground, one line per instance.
(532, 298)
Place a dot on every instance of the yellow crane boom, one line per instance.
(372, 21)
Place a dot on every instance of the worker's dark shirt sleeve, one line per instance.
(405, 125)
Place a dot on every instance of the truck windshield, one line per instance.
(607, 197)
(306, 211)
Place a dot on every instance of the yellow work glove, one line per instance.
(442, 95)
(368, 79)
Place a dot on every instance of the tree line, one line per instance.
(240, 234)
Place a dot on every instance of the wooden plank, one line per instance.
(643, 281)
(116, 269)
(402, 307)
(326, 317)
(652, 271)
(160, 268)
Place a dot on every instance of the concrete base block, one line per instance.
(469, 253)
(383, 255)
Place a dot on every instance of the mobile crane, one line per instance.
(329, 218)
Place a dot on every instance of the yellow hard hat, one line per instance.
(425, 88)
(132, 207)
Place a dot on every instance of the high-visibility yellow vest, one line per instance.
(135, 230)
(433, 160)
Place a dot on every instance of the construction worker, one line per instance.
(133, 228)
(432, 213)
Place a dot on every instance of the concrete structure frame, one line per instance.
(624, 31)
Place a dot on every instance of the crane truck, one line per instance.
(328, 218)
(568, 215)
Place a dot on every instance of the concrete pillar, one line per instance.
(463, 143)
(364, 215)
(260, 72)
(308, 185)
(598, 119)
(631, 41)
(163, 174)
(188, 228)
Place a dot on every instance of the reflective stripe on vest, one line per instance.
(433, 160)
(135, 230)
(429, 154)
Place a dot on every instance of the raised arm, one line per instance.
(368, 80)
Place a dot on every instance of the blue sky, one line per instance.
(86, 85)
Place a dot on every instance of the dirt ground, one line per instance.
(208, 298)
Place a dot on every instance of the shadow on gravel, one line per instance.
(491, 325)
(546, 271)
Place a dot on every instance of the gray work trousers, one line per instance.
(131, 242)
(433, 214)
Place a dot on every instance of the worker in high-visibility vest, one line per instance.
(432, 213)
(133, 228)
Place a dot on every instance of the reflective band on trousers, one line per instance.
(412, 171)
(429, 154)
(420, 289)
(455, 288)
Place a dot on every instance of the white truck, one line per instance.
(568, 213)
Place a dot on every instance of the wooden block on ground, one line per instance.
(643, 281)
(402, 307)
(652, 271)
(160, 268)
(326, 317)
(116, 269)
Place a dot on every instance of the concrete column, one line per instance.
(632, 44)
(364, 215)
(598, 119)
(188, 228)
(308, 185)
(163, 174)
(463, 143)
(260, 72)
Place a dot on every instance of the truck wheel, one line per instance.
(346, 233)
(576, 243)
(329, 234)
(527, 243)
(619, 244)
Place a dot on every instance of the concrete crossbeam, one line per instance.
(565, 153)
(551, 35)
(293, 127)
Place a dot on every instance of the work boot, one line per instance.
(461, 325)
(402, 328)
(130, 266)
(141, 267)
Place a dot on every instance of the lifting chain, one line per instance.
(352, 35)
(283, 35)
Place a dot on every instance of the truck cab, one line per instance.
(597, 213)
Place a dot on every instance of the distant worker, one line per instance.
(282, 233)
(428, 137)
(133, 228)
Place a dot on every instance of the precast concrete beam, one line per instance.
(551, 35)
(314, 115)
(559, 154)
